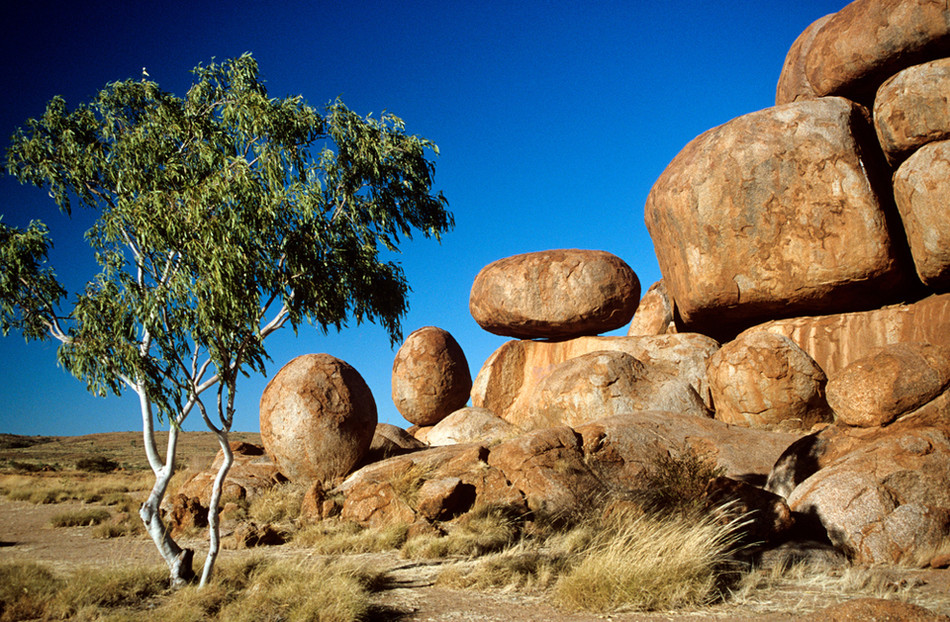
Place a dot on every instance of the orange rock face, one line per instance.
(318, 417)
(654, 315)
(793, 83)
(775, 213)
(554, 294)
(911, 109)
(835, 341)
(431, 378)
(922, 193)
(763, 379)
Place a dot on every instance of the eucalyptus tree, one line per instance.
(222, 216)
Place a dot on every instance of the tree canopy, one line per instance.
(223, 215)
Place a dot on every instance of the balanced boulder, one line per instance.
(318, 417)
(776, 213)
(793, 83)
(555, 294)
(762, 379)
(430, 376)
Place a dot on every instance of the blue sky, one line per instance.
(553, 120)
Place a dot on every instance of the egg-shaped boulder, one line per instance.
(430, 378)
(318, 417)
(555, 294)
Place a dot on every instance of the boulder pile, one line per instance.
(799, 340)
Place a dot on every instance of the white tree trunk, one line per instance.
(177, 559)
(214, 540)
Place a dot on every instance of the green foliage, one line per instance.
(222, 216)
(96, 464)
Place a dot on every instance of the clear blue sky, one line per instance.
(553, 118)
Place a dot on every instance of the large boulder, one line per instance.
(390, 440)
(508, 377)
(471, 425)
(601, 384)
(763, 379)
(911, 109)
(868, 41)
(655, 313)
(890, 382)
(318, 417)
(554, 294)
(430, 376)
(793, 83)
(776, 213)
(886, 501)
(619, 449)
(922, 193)
(835, 341)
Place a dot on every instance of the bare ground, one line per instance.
(411, 594)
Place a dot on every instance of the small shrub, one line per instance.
(675, 482)
(334, 537)
(96, 464)
(80, 518)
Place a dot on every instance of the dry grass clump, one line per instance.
(25, 590)
(675, 482)
(278, 503)
(337, 537)
(481, 531)
(648, 562)
(80, 518)
(110, 489)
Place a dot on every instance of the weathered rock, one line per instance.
(762, 379)
(185, 513)
(880, 493)
(602, 384)
(549, 469)
(897, 379)
(554, 294)
(248, 535)
(430, 376)
(765, 514)
(471, 425)
(793, 83)
(911, 109)
(251, 474)
(776, 213)
(420, 433)
(480, 483)
(876, 609)
(619, 449)
(836, 341)
(508, 377)
(654, 315)
(868, 41)
(442, 499)
(922, 193)
(317, 418)
(388, 441)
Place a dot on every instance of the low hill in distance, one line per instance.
(195, 449)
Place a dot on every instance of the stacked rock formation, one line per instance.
(810, 239)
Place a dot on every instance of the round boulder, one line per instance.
(431, 378)
(762, 379)
(897, 379)
(471, 425)
(911, 109)
(555, 294)
(318, 417)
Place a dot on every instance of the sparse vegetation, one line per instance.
(80, 518)
(336, 537)
(280, 503)
(97, 464)
(675, 482)
(481, 531)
